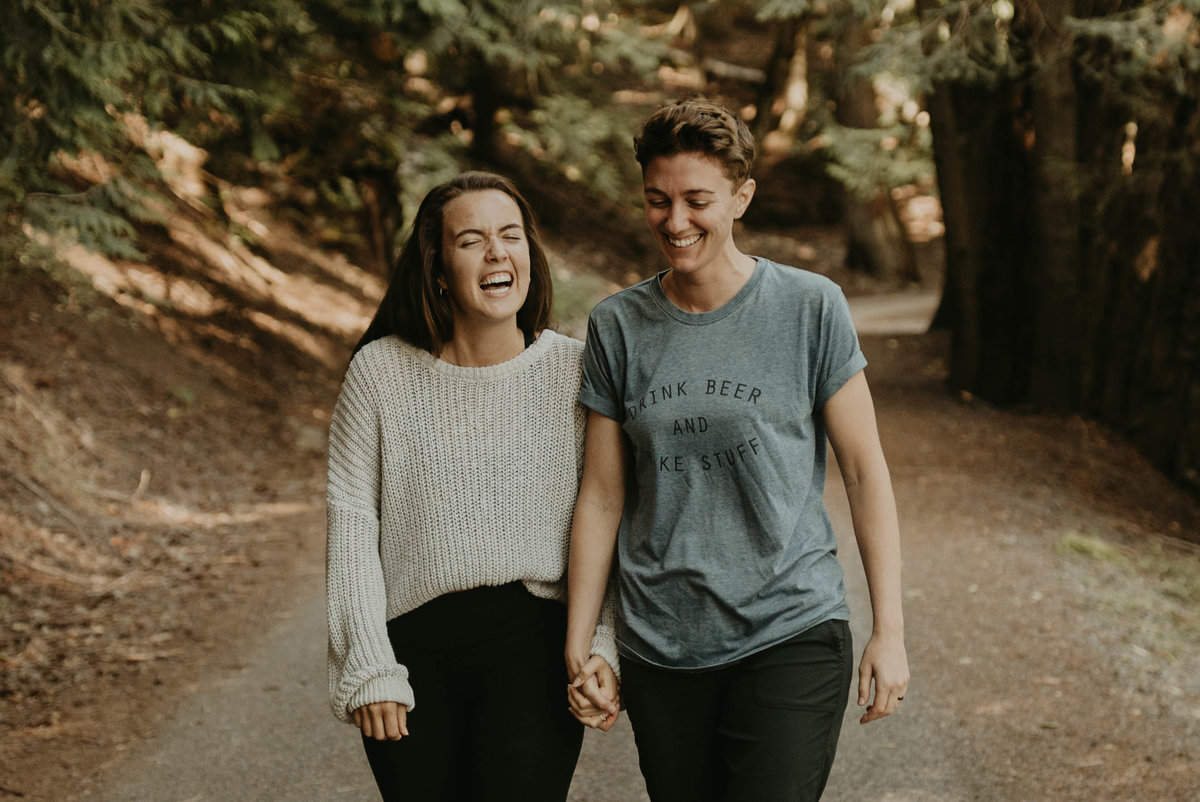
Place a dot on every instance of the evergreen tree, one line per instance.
(1066, 147)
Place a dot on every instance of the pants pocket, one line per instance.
(811, 671)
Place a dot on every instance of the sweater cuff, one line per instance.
(604, 644)
(390, 688)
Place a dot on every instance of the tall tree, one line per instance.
(865, 156)
(1066, 148)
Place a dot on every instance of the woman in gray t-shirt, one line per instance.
(713, 389)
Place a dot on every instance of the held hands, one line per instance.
(383, 721)
(884, 661)
(593, 694)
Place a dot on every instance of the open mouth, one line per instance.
(684, 243)
(496, 283)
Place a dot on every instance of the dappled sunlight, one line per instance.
(165, 510)
(312, 300)
(140, 287)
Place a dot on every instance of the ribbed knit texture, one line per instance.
(444, 478)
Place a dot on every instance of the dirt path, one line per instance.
(1052, 634)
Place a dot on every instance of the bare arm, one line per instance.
(593, 539)
(850, 422)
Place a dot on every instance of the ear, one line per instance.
(742, 198)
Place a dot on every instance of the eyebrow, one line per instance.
(479, 233)
(658, 191)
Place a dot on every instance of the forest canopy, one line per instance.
(1062, 139)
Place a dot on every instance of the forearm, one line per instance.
(877, 531)
(593, 539)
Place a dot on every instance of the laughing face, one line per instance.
(486, 258)
(690, 206)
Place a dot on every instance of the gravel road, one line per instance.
(261, 729)
(1038, 672)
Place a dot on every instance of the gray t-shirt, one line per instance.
(725, 547)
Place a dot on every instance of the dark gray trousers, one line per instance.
(762, 729)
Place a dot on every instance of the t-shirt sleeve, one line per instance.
(839, 355)
(598, 388)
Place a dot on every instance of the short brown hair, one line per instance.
(698, 126)
(415, 309)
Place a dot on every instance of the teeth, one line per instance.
(496, 281)
(683, 243)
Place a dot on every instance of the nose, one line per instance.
(495, 249)
(677, 217)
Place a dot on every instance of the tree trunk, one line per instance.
(876, 244)
(982, 168)
(774, 90)
(1057, 329)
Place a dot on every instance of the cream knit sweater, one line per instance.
(444, 478)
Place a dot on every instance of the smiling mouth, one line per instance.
(683, 243)
(496, 283)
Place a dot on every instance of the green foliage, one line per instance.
(771, 10)
(1141, 54)
(75, 74)
(868, 160)
(587, 145)
(364, 102)
(957, 41)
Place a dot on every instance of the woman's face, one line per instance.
(690, 207)
(485, 256)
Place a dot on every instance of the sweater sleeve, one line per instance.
(362, 666)
(604, 641)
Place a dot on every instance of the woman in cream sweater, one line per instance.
(455, 452)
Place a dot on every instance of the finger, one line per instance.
(581, 708)
(364, 714)
(884, 705)
(589, 669)
(864, 683)
(610, 686)
(576, 699)
(378, 728)
(391, 722)
(592, 720)
(402, 719)
(591, 689)
(358, 718)
(609, 721)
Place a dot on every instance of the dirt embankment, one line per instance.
(161, 445)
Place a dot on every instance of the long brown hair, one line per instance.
(413, 307)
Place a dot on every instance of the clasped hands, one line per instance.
(593, 694)
(593, 697)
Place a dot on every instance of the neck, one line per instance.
(479, 347)
(696, 293)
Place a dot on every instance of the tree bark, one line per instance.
(1056, 319)
(876, 244)
(774, 89)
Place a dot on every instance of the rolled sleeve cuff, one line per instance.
(389, 688)
(604, 644)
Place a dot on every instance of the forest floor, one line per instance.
(161, 504)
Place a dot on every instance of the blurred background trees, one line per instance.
(1061, 138)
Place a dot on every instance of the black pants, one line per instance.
(764, 728)
(490, 720)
